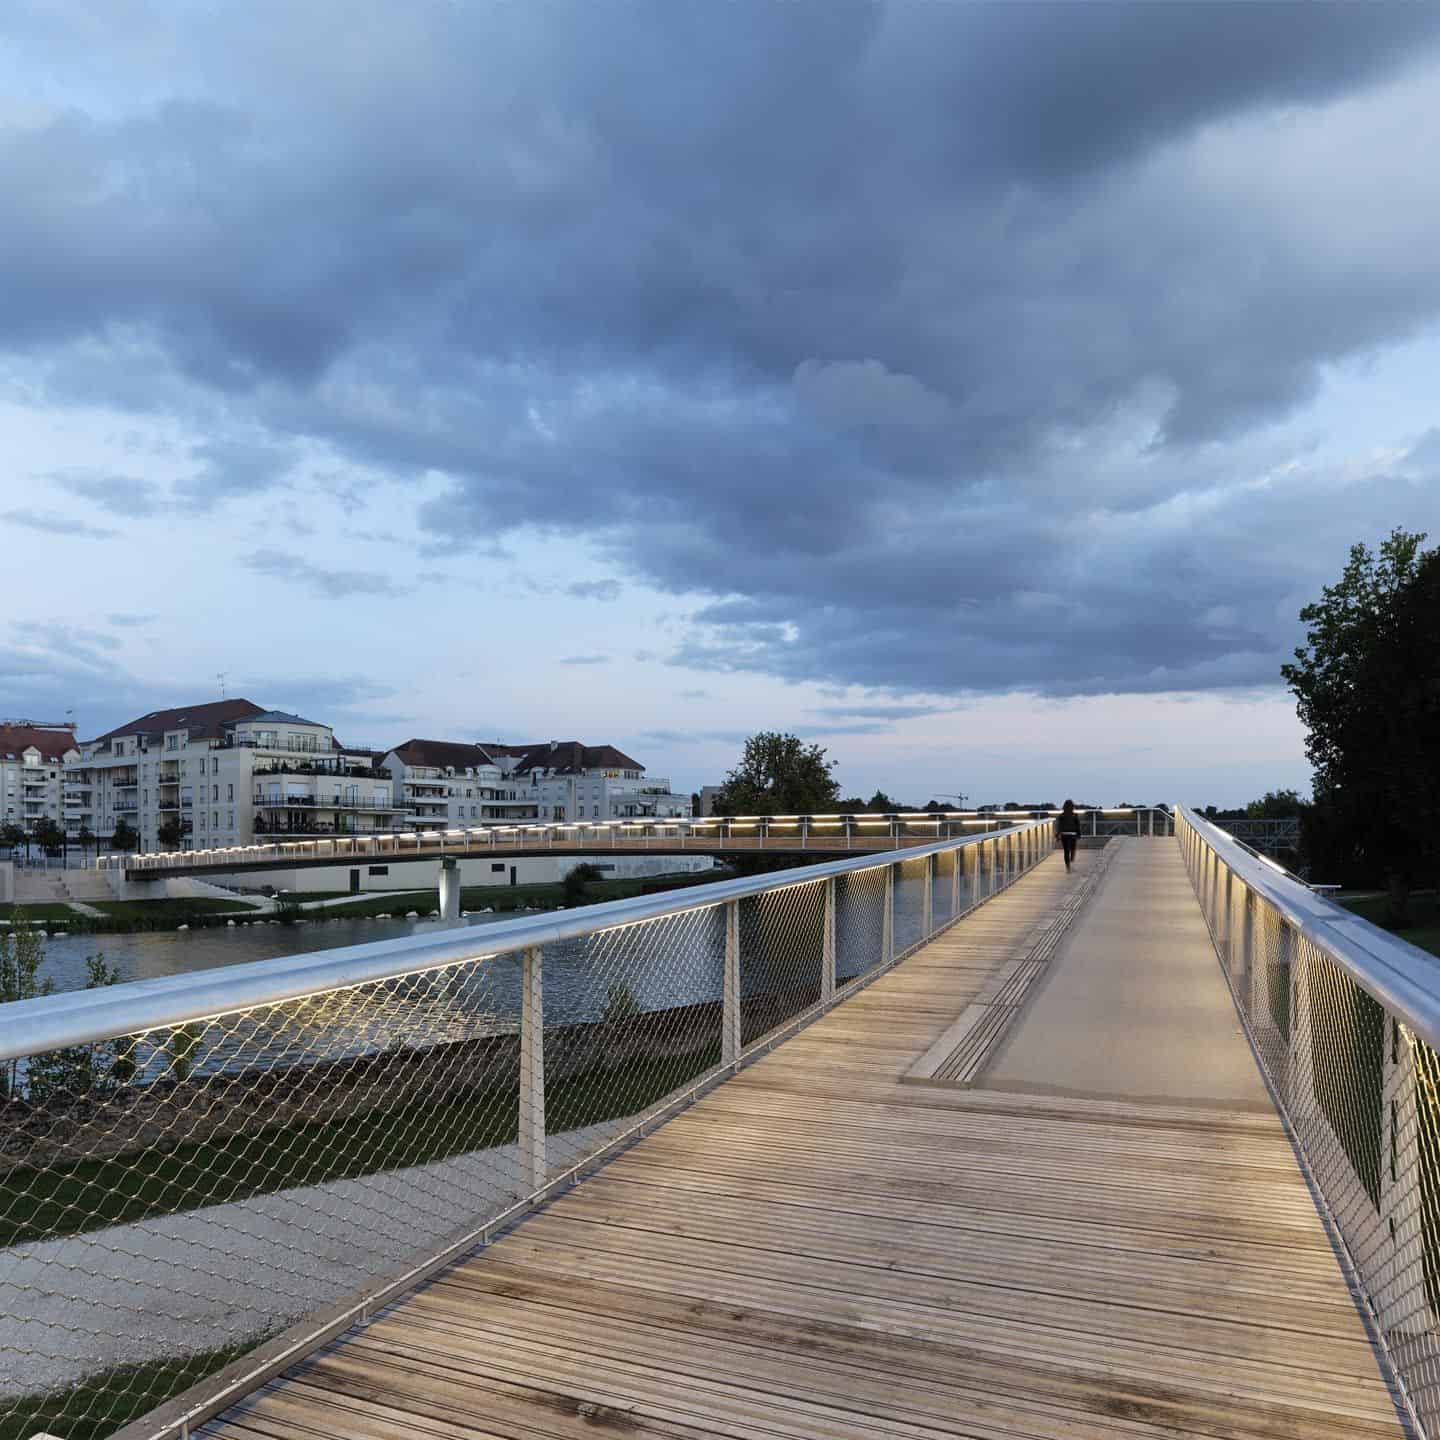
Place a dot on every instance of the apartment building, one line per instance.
(573, 781)
(447, 785)
(226, 773)
(32, 772)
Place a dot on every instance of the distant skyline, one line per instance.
(977, 390)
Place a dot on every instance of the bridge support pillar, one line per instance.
(449, 891)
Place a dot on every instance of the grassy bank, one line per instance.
(48, 913)
(94, 1193)
(502, 898)
(1424, 925)
(99, 1406)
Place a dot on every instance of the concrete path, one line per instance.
(1134, 1006)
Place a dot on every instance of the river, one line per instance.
(146, 954)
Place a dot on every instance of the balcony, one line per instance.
(317, 802)
(125, 807)
(322, 767)
(280, 825)
(176, 802)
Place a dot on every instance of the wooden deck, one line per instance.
(817, 1249)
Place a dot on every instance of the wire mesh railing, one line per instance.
(1345, 1019)
(211, 1174)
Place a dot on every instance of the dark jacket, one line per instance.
(1068, 823)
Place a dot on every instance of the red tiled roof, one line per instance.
(202, 721)
(570, 757)
(52, 744)
(443, 754)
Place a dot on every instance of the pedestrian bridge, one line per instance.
(941, 1141)
(724, 836)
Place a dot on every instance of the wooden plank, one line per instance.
(817, 1248)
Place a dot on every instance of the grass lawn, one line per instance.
(1424, 927)
(510, 897)
(38, 913)
(99, 1406)
(95, 1193)
(168, 911)
(105, 1192)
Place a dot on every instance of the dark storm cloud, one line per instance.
(595, 589)
(331, 583)
(52, 524)
(921, 341)
(119, 494)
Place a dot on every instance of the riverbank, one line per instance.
(124, 917)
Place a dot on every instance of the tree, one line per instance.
(87, 840)
(577, 879)
(779, 775)
(1367, 688)
(170, 832)
(12, 836)
(881, 804)
(1275, 805)
(48, 835)
(124, 836)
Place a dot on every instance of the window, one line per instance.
(378, 870)
(215, 819)
(172, 742)
(214, 765)
(229, 792)
(214, 792)
(498, 865)
(230, 820)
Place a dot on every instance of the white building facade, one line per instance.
(228, 773)
(32, 772)
(576, 782)
(448, 785)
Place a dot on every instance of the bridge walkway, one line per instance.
(819, 1248)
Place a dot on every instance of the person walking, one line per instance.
(1067, 827)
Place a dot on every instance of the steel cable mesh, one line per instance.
(781, 954)
(632, 1015)
(1362, 1093)
(910, 903)
(171, 1198)
(945, 909)
(859, 922)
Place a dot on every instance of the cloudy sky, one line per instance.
(979, 390)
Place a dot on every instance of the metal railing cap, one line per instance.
(1401, 976)
(83, 1017)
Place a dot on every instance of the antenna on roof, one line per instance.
(220, 676)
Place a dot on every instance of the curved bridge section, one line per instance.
(815, 836)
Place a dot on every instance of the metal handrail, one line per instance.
(84, 1017)
(809, 830)
(1401, 976)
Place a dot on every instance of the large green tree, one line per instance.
(1367, 687)
(124, 837)
(779, 775)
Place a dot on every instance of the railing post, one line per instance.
(959, 857)
(730, 1006)
(827, 946)
(927, 903)
(1094, 823)
(532, 1071)
(887, 919)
